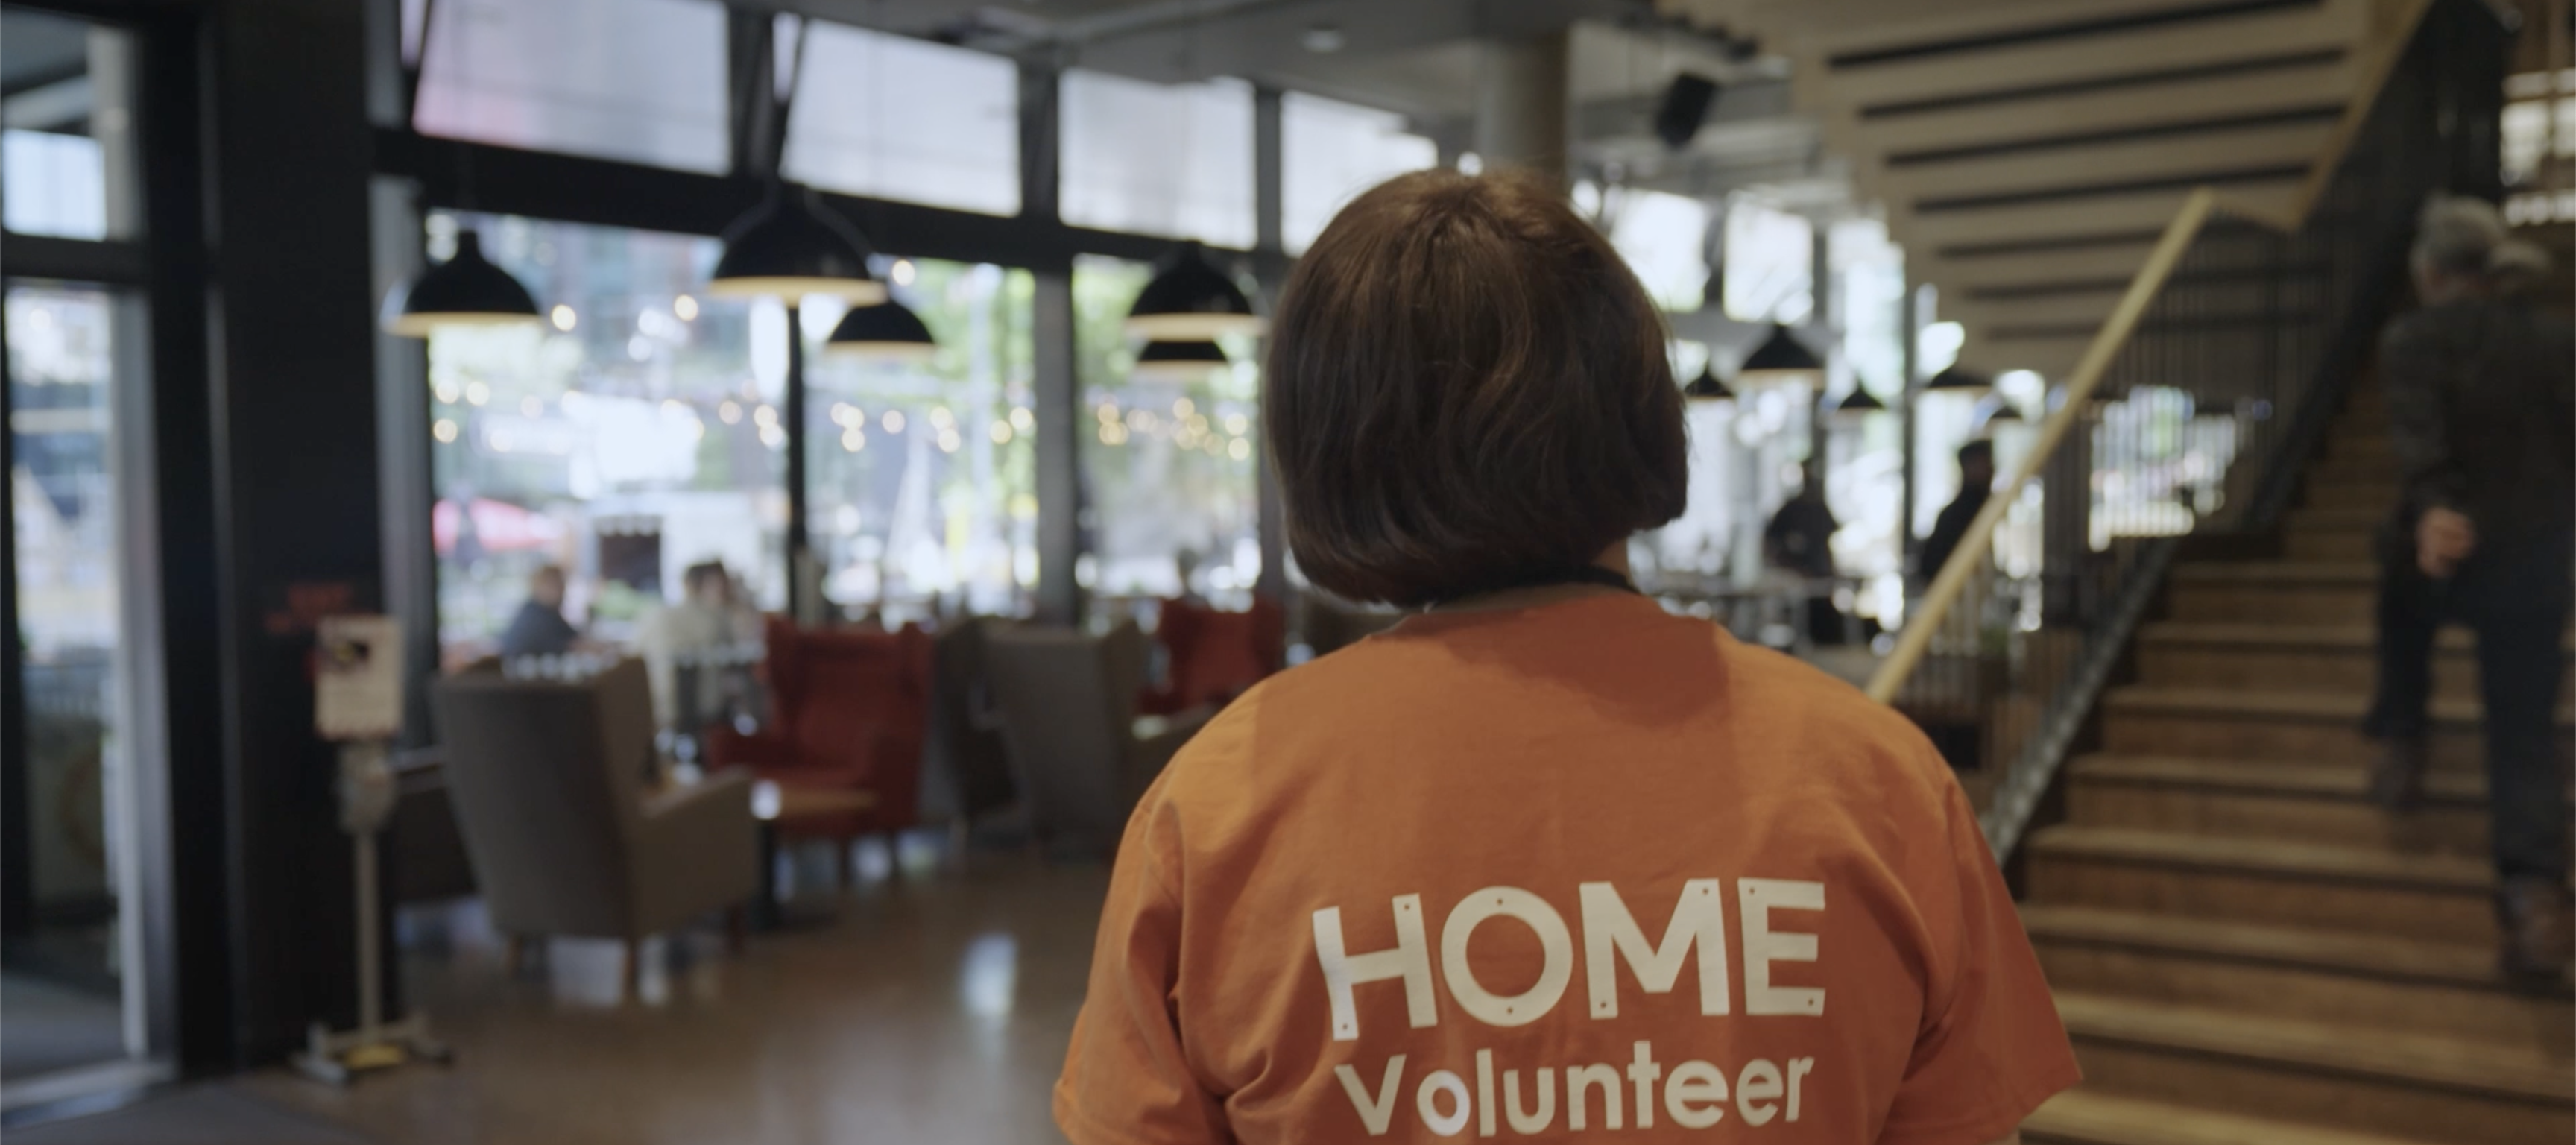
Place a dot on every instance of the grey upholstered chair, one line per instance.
(1068, 702)
(548, 781)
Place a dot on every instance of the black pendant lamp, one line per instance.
(792, 245)
(1958, 379)
(467, 290)
(1190, 300)
(1178, 361)
(2004, 413)
(1706, 388)
(888, 331)
(1858, 405)
(1781, 359)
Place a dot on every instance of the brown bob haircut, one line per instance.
(1467, 390)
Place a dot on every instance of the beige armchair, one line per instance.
(548, 779)
(1078, 753)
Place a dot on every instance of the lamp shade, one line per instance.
(1858, 404)
(791, 245)
(1958, 379)
(1706, 388)
(466, 290)
(887, 331)
(1781, 359)
(1178, 361)
(1190, 300)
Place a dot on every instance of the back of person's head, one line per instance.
(707, 579)
(1467, 389)
(2517, 268)
(546, 585)
(1978, 452)
(2454, 234)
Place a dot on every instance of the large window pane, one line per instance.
(636, 436)
(1662, 236)
(63, 987)
(1770, 263)
(900, 118)
(1331, 151)
(1158, 159)
(1170, 495)
(921, 479)
(637, 80)
(66, 154)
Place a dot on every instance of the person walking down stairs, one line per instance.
(2482, 413)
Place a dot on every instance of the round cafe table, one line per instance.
(778, 807)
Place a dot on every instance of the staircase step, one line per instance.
(2375, 492)
(2352, 1077)
(2352, 889)
(2310, 657)
(2281, 592)
(2364, 520)
(2356, 458)
(2295, 727)
(2273, 800)
(2330, 545)
(2397, 983)
(2084, 1116)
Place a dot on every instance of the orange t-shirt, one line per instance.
(1579, 868)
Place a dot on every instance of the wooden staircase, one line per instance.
(2027, 152)
(2245, 950)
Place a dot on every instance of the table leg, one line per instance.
(764, 910)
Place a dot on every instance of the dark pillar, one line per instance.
(193, 1005)
(1058, 449)
(800, 604)
(1270, 254)
(295, 489)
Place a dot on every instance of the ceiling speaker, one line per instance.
(1685, 106)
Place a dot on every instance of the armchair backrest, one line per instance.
(965, 737)
(547, 779)
(1216, 655)
(1068, 702)
(834, 690)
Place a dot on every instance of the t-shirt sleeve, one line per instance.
(1991, 1048)
(1126, 1077)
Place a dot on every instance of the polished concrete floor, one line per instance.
(47, 1025)
(930, 1008)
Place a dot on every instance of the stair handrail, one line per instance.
(1926, 618)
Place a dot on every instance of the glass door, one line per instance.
(80, 735)
(63, 980)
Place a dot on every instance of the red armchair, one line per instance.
(850, 711)
(1214, 656)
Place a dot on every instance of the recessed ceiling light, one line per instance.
(1323, 39)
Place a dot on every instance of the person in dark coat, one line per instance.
(1976, 483)
(1799, 540)
(539, 627)
(2482, 404)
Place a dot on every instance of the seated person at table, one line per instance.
(675, 636)
(539, 627)
(1543, 854)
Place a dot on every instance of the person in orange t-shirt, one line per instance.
(1543, 860)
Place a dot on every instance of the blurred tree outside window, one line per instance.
(1169, 477)
(921, 478)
